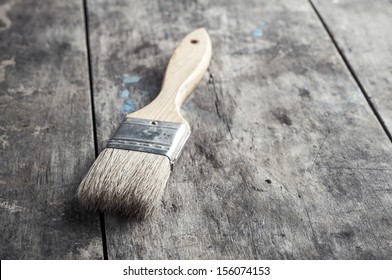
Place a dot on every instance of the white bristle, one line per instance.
(126, 182)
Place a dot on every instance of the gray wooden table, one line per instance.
(290, 155)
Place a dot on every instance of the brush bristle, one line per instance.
(125, 182)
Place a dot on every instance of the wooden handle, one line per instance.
(186, 68)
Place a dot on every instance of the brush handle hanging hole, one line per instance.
(154, 122)
(194, 41)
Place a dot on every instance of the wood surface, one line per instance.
(46, 138)
(362, 30)
(185, 69)
(286, 159)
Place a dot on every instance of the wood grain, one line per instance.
(362, 32)
(46, 139)
(286, 159)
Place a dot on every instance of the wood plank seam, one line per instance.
(90, 75)
(352, 72)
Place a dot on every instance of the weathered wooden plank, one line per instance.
(362, 30)
(46, 142)
(286, 159)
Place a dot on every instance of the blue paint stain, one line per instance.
(128, 106)
(127, 79)
(257, 33)
(123, 94)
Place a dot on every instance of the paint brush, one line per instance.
(130, 174)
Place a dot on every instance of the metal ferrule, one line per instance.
(150, 136)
